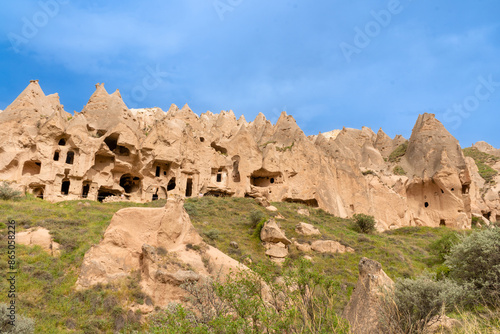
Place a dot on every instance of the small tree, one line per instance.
(364, 223)
(418, 303)
(6, 192)
(476, 261)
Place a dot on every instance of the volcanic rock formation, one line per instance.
(147, 154)
(160, 243)
(364, 310)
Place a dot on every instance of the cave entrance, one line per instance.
(56, 155)
(112, 141)
(106, 192)
(264, 178)
(465, 188)
(189, 187)
(442, 222)
(171, 184)
(70, 157)
(38, 192)
(62, 142)
(218, 148)
(130, 183)
(217, 193)
(32, 167)
(236, 166)
(65, 187)
(122, 150)
(309, 202)
(161, 167)
(85, 189)
(487, 215)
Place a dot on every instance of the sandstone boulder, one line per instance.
(273, 234)
(278, 250)
(306, 229)
(41, 237)
(303, 247)
(330, 246)
(303, 212)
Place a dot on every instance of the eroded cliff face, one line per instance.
(148, 154)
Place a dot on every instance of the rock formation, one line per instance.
(39, 236)
(147, 154)
(275, 241)
(306, 229)
(365, 306)
(160, 243)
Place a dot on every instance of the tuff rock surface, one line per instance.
(142, 155)
(365, 306)
(157, 242)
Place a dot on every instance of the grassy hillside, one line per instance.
(484, 161)
(45, 284)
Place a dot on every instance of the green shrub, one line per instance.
(476, 221)
(476, 261)
(398, 170)
(6, 192)
(415, 303)
(255, 217)
(212, 234)
(23, 325)
(364, 223)
(441, 248)
(191, 209)
(259, 227)
(399, 152)
(302, 301)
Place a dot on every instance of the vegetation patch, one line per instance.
(483, 161)
(399, 152)
(398, 170)
(404, 253)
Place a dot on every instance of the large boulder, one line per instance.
(271, 232)
(153, 241)
(39, 236)
(330, 246)
(306, 229)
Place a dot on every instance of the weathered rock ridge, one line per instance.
(159, 243)
(146, 154)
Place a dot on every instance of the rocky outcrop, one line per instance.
(154, 242)
(438, 192)
(147, 154)
(275, 241)
(330, 246)
(306, 229)
(272, 233)
(39, 236)
(365, 306)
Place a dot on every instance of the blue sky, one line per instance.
(328, 63)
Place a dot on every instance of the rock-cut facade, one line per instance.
(110, 151)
